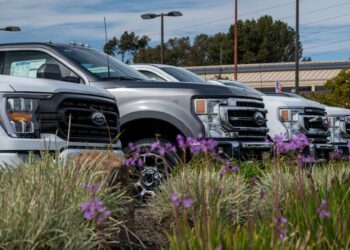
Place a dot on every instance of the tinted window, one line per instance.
(27, 63)
(95, 62)
(183, 75)
(152, 76)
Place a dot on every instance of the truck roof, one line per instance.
(42, 44)
(38, 85)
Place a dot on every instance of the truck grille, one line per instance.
(248, 120)
(314, 126)
(72, 118)
(347, 128)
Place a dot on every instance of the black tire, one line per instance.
(156, 168)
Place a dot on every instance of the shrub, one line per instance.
(313, 213)
(40, 205)
(209, 188)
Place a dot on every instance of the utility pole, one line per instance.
(297, 48)
(162, 38)
(236, 40)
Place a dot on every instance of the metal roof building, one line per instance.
(313, 75)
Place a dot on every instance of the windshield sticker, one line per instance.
(26, 68)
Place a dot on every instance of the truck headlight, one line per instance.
(290, 120)
(208, 111)
(20, 117)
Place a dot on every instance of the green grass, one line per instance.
(40, 206)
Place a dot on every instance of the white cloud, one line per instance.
(67, 20)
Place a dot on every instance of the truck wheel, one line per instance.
(156, 168)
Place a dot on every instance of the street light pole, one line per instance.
(162, 38)
(161, 15)
(297, 48)
(236, 40)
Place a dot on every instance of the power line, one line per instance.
(330, 43)
(229, 18)
(327, 19)
(326, 30)
(326, 52)
(272, 7)
(318, 46)
(317, 10)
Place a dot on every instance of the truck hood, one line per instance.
(197, 89)
(335, 111)
(35, 85)
(292, 102)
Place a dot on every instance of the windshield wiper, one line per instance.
(127, 78)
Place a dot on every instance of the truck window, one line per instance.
(183, 75)
(27, 63)
(152, 75)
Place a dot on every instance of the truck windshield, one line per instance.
(183, 75)
(96, 63)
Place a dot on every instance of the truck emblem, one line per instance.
(325, 124)
(98, 118)
(259, 119)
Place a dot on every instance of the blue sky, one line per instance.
(325, 25)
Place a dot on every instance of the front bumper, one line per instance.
(244, 150)
(343, 147)
(13, 159)
(319, 151)
(14, 151)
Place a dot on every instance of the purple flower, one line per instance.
(235, 168)
(140, 163)
(228, 168)
(155, 146)
(336, 155)
(322, 210)
(348, 144)
(94, 209)
(92, 188)
(298, 142)
(181, 142)
(187, 202)
(176, 200)
(305, 160)
(281, 227)
(218, 247)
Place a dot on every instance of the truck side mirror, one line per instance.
(49, 71)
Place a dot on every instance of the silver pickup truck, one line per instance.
(45, 115)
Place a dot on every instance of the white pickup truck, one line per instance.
(287, 113)
(339, 126)
(45, 115)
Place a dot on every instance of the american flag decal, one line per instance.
(278, 87)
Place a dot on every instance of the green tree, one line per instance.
(337, 91)
(260, 41)
(126, 46)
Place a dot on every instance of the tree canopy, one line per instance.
(259, 41)
(337, 91)
(126, 46)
